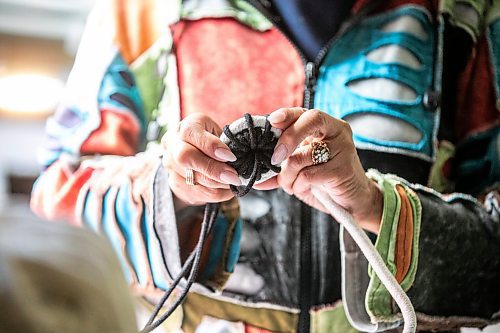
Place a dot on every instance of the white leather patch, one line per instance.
(382, 127)
(407, 24)
(383, 89)
(394, 54)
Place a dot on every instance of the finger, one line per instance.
(332, 174)
(269, 184)
(196, 194)
(187, 156)
(312, 123)
(199, 178)
(290, 168)
(199, 132)
(284, 117)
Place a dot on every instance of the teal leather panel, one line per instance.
(346, 62)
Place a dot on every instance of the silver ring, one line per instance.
(320, 152)
(189, 176)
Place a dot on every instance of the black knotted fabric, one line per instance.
(253, 148)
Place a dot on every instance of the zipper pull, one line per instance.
(310, 75)
(310, 85)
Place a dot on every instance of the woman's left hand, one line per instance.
(342, 176)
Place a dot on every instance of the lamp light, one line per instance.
(29, 94)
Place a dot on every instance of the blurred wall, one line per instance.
(37, 37)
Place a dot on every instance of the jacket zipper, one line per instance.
(307, 280)
(305, 270)
(310, 84)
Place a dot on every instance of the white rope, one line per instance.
(373, 257)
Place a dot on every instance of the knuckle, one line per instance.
(201, 143)
(314, 115)
(200, 117)
(206, 143)
(286, 111)
(186, 132)
(308, 175)
(323, 119)
(297, 161)
(204, 180)
(326, 120)
(346, 136)
(317, 120)
(184, 156)
(293, 162)
(346, 128)
(210, 168)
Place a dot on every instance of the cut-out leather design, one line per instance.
(351, 84)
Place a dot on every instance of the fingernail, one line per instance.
(229, 177)
(279, 154)
(225, 155)
(276, 117)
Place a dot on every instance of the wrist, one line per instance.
(370, 215)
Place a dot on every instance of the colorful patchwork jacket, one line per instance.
(419, 82)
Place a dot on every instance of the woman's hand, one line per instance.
(196, 145)
(342, 176)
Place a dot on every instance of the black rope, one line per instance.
(193, 261)
(253, 148)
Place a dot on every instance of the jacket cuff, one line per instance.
(369, 305)
(164, 223)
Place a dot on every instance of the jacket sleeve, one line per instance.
(98, 170)
(443, 249)
(459, 246)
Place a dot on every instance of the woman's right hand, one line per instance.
(196, 145)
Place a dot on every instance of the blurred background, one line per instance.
(38, 42)
(53, 278)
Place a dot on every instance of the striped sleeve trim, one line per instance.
(397, 243)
